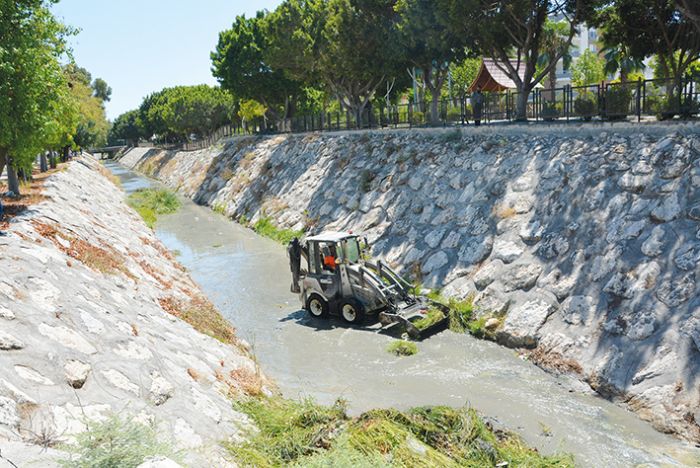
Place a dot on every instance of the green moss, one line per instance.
(402, 348)
(219, 208)
(151, 203)
(265, 227)
(306, 434)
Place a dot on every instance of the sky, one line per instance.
(143, 46)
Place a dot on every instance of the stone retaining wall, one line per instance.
(83, 334)
(584, 243)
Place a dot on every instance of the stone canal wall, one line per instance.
(87, 331)
(583, 242)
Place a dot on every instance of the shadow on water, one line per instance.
(247, 278)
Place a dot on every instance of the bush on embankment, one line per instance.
(306, 434)
(150, 203)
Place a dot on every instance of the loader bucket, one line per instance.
(419, 321)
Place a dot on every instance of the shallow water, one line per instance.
(248, 278)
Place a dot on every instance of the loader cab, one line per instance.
(327, 256)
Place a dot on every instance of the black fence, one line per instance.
(630, 101)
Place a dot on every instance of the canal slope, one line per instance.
(89, 300)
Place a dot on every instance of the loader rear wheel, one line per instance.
(316, 306)
(352, 311)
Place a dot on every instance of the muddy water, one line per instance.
(248, 278)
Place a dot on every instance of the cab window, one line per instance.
(352, 250)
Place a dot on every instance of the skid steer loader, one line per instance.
(332, 277)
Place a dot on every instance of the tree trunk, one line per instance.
(521, 106)
(2, 162)
(66, 153)
(52, 160)
(552, 83)
(12, 180)
(43, 162)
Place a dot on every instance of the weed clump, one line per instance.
(306, 434)
(115, 442)
(150, 203)
(265, 227)
(433, 316)
(402, 348)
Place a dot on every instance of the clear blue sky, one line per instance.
(142, 46)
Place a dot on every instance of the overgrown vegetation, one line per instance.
(202, 315)
(150, 203)
(433, 316)
(115, 442)
(303, 433)
(265, 227)
(402, 348)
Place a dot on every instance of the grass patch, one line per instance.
(433, 316)
(402, 348)
(265, 227)
(150, 203)
(202, 315)
(302, 433)
(115, 442)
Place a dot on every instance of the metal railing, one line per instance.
(630, 101)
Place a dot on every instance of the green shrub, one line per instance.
(617, 102)
(585, 106)
(305, 434)
(150, 203)
(402, 348)
(417, 118)
(265, 227)
(115, 443)
(550, 111)
(454, 115)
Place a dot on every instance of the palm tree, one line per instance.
(555, 43)
(619, 59)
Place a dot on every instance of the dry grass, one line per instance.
(203, 316)
(108, 175)
(148, 268)
(227, 174)
(248, 381)
(247, 160)
(103, 259)
(504, 211)
(554, 361)
(134, 329)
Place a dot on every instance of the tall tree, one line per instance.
(691, 10)
(429, 46)
(358, 51)
(652, 27)
(31, 80)
(555, 43)
(513, 31)
(587, 69)
(239, 63)
(101, 90)
(127, 127)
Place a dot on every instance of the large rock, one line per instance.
(9, 342)
(76, 373)
(488, 273)
(521, 326)
(475, 250)
(507, 251)
(576, 310)
(520, 276)
(666, 209)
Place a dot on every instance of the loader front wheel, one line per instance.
(352, 311)
(316, 306)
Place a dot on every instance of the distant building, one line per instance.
(586, 39)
